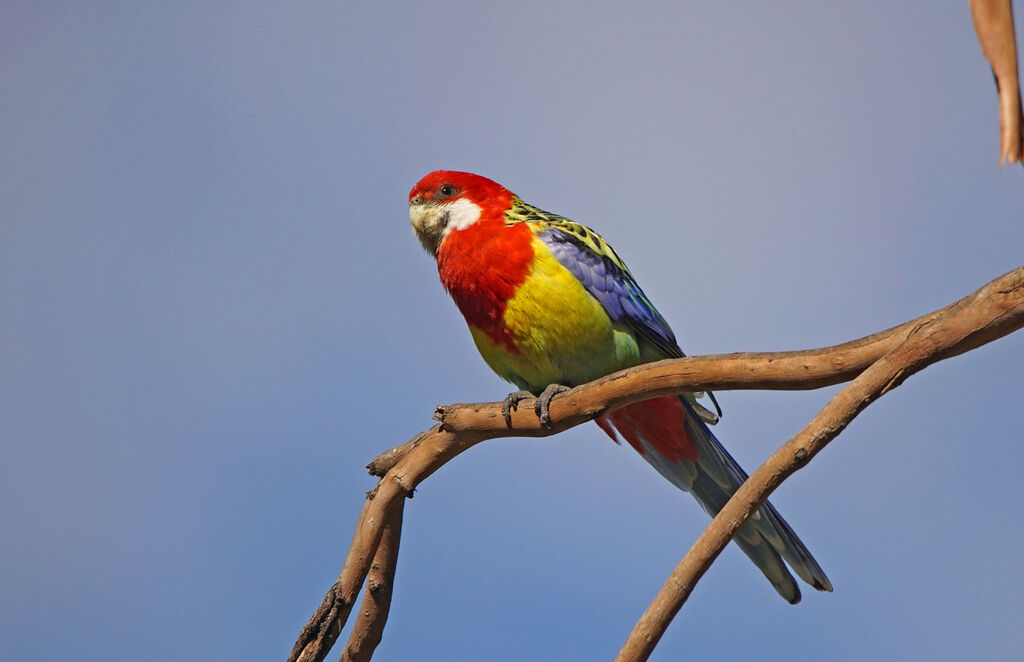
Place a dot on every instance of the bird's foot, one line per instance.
(543, 403)
(511, 403)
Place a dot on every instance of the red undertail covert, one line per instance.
(660, 422)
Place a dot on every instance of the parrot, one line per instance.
(550, 305)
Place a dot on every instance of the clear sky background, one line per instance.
(213, 313)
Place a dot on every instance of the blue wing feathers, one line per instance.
(613, 287)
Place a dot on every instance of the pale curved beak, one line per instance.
(428, 222)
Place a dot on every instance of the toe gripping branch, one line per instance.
(542, 404)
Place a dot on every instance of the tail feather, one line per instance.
(767, 520)
(760, 548)
(670, 435)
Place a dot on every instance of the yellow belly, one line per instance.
(563, 334)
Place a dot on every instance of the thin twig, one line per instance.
(380, 465)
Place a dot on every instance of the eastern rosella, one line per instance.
(550, 305)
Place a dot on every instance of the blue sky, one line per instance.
(213, 314)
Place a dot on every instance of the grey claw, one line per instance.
(543, 404)
(511, 403)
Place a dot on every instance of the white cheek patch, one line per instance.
(462, 213)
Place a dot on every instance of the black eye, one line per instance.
(446, 190)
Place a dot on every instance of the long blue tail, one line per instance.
(670, 435)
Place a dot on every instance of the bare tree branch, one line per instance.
(322, 630)
(992, 312)
(998, 306)
(373, 610)
(993, 21)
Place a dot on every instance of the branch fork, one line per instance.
(876, 364)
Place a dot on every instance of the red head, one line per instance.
(445, 201)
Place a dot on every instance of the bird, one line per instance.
(550, 305)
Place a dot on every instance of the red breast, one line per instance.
(482, 267)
